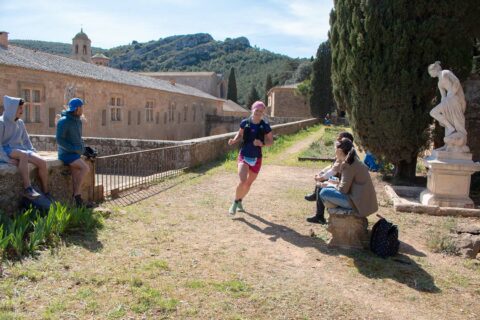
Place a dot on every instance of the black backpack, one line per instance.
(384, 240)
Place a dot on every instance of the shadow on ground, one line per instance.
(400, 268)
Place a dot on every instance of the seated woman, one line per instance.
(355, 189)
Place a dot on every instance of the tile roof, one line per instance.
(179, 73)
(37, 60)
(229, 105)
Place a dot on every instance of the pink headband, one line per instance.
(258, 105)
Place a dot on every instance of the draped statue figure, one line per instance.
(450, 111)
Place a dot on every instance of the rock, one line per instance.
(104, 212)
(467, 245)
(348, 231)
(472, 229)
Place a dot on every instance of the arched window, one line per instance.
(76, 48)
(84, 49)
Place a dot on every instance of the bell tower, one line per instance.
(82, 47)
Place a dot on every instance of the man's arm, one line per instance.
(26, 139)
(3, 155)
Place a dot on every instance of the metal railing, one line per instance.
(122, 174)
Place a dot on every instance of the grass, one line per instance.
(29, 231)
(323, 148)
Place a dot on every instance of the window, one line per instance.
(116, 104)
(104, 117)
(185, 111)
(165, 116)
(76, 48)
(194, 109)
(129, 117)
(51, 117)
(178, 118)
(139, 114)
(31, 108)
(157, 118)
(84, 49)
(171, 112)
(149, 111)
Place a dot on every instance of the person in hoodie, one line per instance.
(16, 147)
(70, 145)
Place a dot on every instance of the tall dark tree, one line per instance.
(232, 86)
(252, 96)
(268, 86)
(321, 99)
(380, 53)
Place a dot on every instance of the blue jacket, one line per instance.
(69, 135)
(12, 131)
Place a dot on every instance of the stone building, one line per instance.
(82, 47)
(101, 60)
(209, 82)
(118, 104)
(283, 101)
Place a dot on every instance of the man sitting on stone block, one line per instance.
(322, 177)
(70, 146)
(16, 147)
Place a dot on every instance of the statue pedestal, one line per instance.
(448, 179)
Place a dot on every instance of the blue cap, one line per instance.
(74, 104)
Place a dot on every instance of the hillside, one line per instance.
(196, 52)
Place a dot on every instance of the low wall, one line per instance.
(210, 148)
(60, 183)
(104, 146)
(224, 124)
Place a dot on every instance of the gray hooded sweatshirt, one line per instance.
(12, 132)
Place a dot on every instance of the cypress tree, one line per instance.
(268, 86)
(380, 53)
(252, 97)
(321, 100)
(232, 86)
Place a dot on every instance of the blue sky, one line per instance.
(291, 27)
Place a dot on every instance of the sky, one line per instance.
(291, 27)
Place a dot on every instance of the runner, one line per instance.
(255, 133)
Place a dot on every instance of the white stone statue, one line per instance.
(450, 111)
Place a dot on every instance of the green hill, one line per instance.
(196, 52)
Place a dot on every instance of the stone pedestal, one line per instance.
(348, 231)
(448, 180)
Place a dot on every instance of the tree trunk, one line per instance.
(405, 170)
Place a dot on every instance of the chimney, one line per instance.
(4, 39)
(172, 82)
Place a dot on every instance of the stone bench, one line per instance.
(59, 180)
(347, 229)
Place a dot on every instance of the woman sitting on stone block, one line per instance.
(355, 191)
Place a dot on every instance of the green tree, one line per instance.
(380, 53)
(304, 89)
(321, 100)
(252, 96)
(268, 86)
(232, 86)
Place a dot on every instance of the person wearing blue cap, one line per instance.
(71, 147)
(16, 147)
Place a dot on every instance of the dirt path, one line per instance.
(180, 255)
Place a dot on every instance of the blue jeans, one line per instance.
(335, 197)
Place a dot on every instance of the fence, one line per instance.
(122, 174)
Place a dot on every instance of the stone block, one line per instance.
(348, 231)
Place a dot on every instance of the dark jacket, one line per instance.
(69, 135)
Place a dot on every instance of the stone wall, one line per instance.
(60, 183)
(104, 146)
(472, 115)
(175, 116)
(285, 103)
(223, 124)
(210, 148)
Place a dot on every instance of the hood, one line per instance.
(68, 114)
(10, 104)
